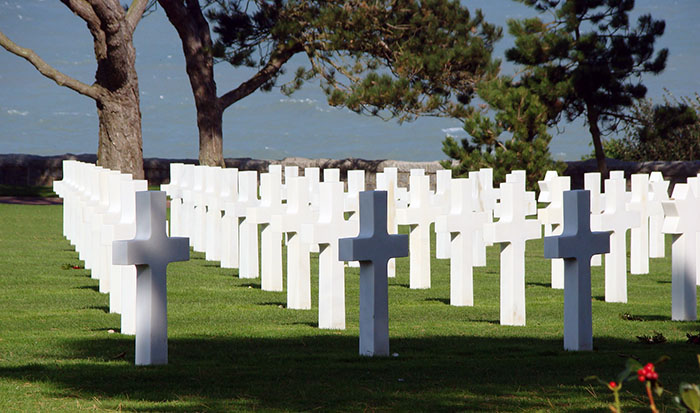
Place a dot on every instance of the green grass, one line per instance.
(233, 347)
(24, 191)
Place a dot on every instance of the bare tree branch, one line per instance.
(277, 60)
(84, 10)
(135, 12)
(49, 71)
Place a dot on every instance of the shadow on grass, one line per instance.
(323, 372)
(250, 285)
(536, 284)
(274, 304)
(94, 288)
(103, 308)
(439, 300)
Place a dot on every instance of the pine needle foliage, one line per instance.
(393, 59)
(587, 61)
(663, 132)
(515, 138)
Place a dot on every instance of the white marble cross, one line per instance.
(122, 296)
(617, 219)
(212, 200)
(591, 183)
(356, 184)
(174, 191)
(373, 247)
(229, 222)
(289, 172)
(639, 239)
(418, 216)
(576, 245)
(388, 181)
(552, 217)
(658, 192)
(199, 222)
(331, 226)
(110, 181)
(248, 265)
(187, 209)
(270, 238)
(151, 251)
(484, 196)
(331, 175)
(683, 221)
(512, 231)
(313, 176)
(297, 213)
(461, 222)
(441, 200)
(63, 188)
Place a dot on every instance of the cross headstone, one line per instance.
(95, 229)
(373, 247)
(441, 200)
(247, 232)
(418, 216)
(460, 223)
(290, 222)
(388, 181)
(552, 217)
(314, 180)
(356, 184)
(84, 243)
(683, 222)
(110, 217)
(187, 210)
(325, 232)
(512, 231)
(331, 175)
(617, 219)
(199, 223)
(576, 245)
(270, 237)
(122, 297)
(658, 193)
(173, 190)
(617, 175)
(289, 172)
(484, 198)
(229, 221)
(151, 251)
(62, 188)
(639, 238)
(591, 183)
(214, 205)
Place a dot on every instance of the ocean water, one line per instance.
(39, 117)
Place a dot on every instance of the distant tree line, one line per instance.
(400, 60)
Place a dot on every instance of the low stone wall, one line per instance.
(34, 170)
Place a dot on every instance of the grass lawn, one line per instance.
(233, 347)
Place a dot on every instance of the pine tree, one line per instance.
(588, 61)
(516, 137)
(393, 59)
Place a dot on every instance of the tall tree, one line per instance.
(386, 58)
(514, 137)
(588, 61)
(116, 88)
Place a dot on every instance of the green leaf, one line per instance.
(690, 395)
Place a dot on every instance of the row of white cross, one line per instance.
(220, 211)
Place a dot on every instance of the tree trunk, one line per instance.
(193, 29)
(211, 138)
(120, 145)
(593, 116)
